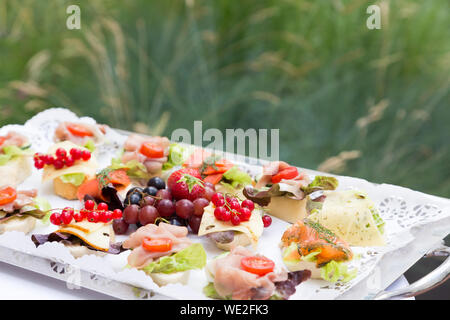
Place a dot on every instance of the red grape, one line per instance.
(165, 207)
(267, 220)
(130, 214)
(199, 206)
(194, 223)
(120, 226)
(209, 193)
(184, 208)
(148, 214)
(149, 201)
(209, 185)
(164, 194)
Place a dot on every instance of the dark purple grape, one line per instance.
(157, 182)
(148, 214)
(194, 223)
(130, 214)
(120, 226)
(177, 221)
(199, 206)
(151, 191)
(184, 208)
(164, 194)
(165, 207)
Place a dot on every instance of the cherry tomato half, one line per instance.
(7, 195)
(151, 150)
(288, 173)
(257, 265)
(79, 130)
(157, 245)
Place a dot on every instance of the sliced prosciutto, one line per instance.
(23, 198)
(12, 139)
(301, 179)
(79, 133)
(141, 257)
(152, 152)
(230, 280)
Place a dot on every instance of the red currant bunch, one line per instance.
(230, 209)
(94, 214)
(61, 158)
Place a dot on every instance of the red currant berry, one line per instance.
(68, 210)
(37, 156)
(235, 220)
(267, 220)
(219, 212)
(69, 161)
(102, 206)
(217, 199)
(84, 213)
(78, 216)
(117, 214)
(55, 219)
(58, 164)
(75, 153)
(107, 216)
(39, 164)
(226, 215)
(245, 214)
(93, 216)
(248, 204)
(66, 217)
(49, 160)
(234, 204)
(85, 155)
(89, 205)
(61, 153)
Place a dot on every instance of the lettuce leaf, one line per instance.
(311, 257)
(43, 205)
(236, 178)
(134, 168)
(73, 178)
(177, 155)
(337, 271)
(193, 257)
(210, 291)
(321, 183)
(90, 145)
(10, 152)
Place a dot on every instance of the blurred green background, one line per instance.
(349, 100)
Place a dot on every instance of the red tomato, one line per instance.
(151, 150)
(157, 245)
(288, 173)
(79, 130)
(7, 195)
(2, 139)
(257, 265)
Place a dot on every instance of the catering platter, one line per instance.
(414, 223)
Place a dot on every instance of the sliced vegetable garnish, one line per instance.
(79, 130)
(7, 195)
(2, 139)
(257, 265)
(286, 174)
(157, 245)
(151, 150)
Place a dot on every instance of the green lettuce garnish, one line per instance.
(90, 145)
(335, 271)
(236, 178)
(134, 168)
(193, 257)
(311, 257)
(73, 178)
(11, 152)
(43, 205)
(177, 155)
(210, 292)
(321, 183)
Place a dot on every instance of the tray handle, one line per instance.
(435, 278)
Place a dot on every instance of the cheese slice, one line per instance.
(287, 209)
(97, 235)
(349, 215)
(252, 228)
(87, 167)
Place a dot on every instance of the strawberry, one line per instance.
(186, 184)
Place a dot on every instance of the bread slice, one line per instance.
(162, 279)
(22, 224)
(65, 190)
(15, 171)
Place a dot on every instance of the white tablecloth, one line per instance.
(18, 283)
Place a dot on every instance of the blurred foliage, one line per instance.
(359, 102)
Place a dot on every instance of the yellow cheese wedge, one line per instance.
(287, 209)
(97, 235)
(252, 228)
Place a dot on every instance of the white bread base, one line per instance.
(24, 225)
(287, 209)
(305, 265)
(78, 251)
(15, 172)
(65, 190)
(162, 279)
(240, 239)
